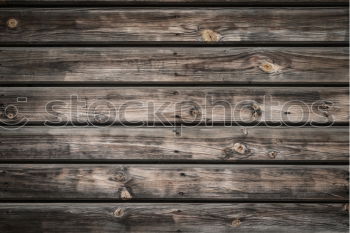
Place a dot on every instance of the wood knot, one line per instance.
(10, 112)
(228, 153)
(195, 112)
(118, 213)
(346, 207)
(325, 106)
(236, 222)
(120, 176)
(240, 148)
(12, 23)
(269, 67)
(272, 154)
(210, 36)
(10, 115)
(256, 111)
(125, 194)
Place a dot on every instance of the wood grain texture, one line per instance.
(173, 217)
(174, 65)
(108, 105)
(99, 25)
(160, 2)
(169, 182)
(162, 144)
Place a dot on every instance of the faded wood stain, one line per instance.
(241, 174)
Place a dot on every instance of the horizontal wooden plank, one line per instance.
(168, 182)
(173, 217)
(98, 25)
(169, 104)
(174, 65)
(160, 2)
(162, 144)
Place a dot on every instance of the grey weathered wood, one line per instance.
(174, 65)
(168, 182)
(98, 25)
(162, 144)
(173, 217)
(169, 104)
(121, 2)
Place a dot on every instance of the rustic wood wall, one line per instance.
(173, 155)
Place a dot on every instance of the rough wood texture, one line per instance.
(159, 2)
(185, 104)
(79, 25)
(162, 144)
(174, 65)
(173, 217)
(168, 182)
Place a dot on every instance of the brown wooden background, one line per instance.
(179, 176)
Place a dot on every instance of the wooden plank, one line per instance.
(173, 217)
(169, 182)
(174, 65)
(107, 105)
(160, 2)
(99, 25)
(162, 144)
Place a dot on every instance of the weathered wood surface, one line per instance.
(162, 144)
(99, 25)
(173, 217)
(169, 182)
(160, 2)
(183, 104)
(174, 65)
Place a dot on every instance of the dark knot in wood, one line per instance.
(325, 107)
(195, 112)
(10, 115)
(181, 193)
(228, 153)
(272, 154)
(10, 111)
